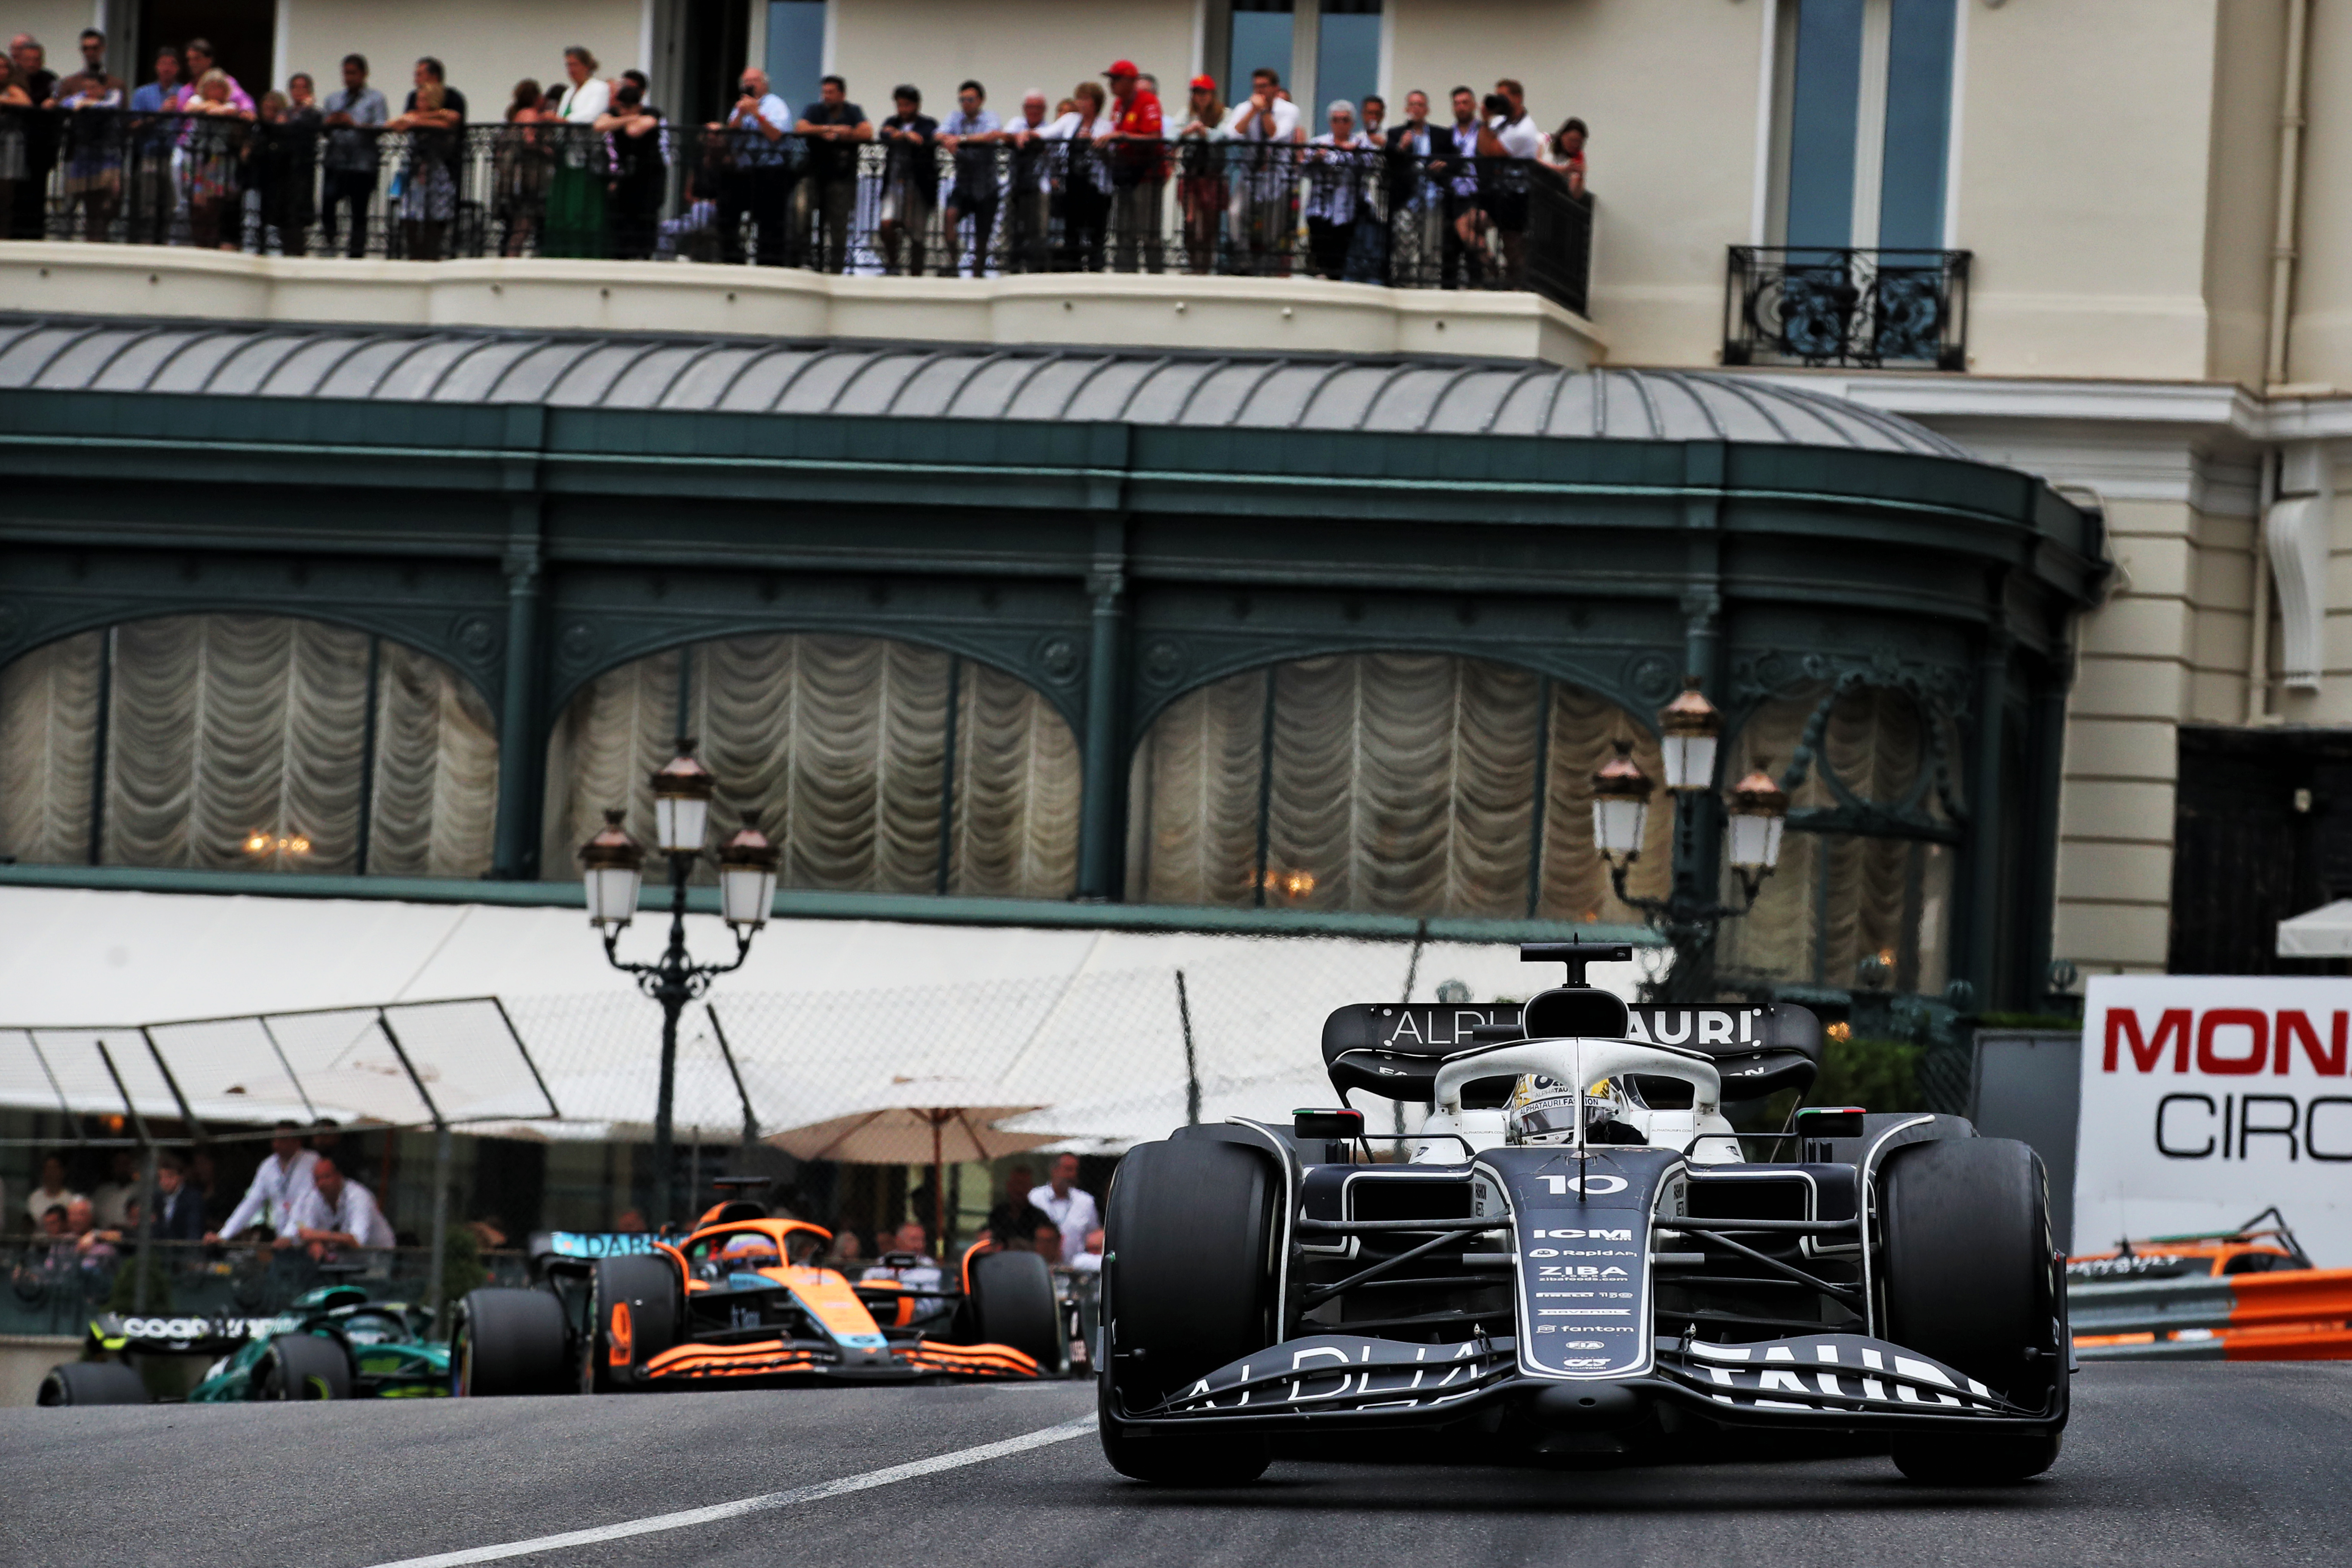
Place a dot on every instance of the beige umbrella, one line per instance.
(941, 1120)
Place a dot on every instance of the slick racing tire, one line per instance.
(303, 1366)
(510, 1341)
(1188, 1285)
(92, 1383)
(650, 1290)
(1014, 1304)
(1969, 1280)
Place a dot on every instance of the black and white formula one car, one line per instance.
(1578, 1256)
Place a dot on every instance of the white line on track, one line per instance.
(764, 1503)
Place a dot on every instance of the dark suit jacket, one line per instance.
(180, 1217)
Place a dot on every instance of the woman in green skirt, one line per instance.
(576, 193)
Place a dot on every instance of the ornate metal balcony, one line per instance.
(1817, 306)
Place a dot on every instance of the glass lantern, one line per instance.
(1621, 806)
(613, 867)
(1688, 729)
(747, 878)
(1759, 813)
(682, 792)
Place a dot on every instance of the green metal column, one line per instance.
(1698, 851)
(2049, 763)
(515, 856)
(1985, 803)
(1102, 827)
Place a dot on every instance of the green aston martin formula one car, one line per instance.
(332, 1343)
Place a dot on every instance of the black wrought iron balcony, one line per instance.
(1816, 306)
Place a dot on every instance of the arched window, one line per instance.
(245, 742)
(1387, 781)
(1862, 896)
(876, 765)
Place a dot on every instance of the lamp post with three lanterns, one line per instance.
(1690, 731)
(614, 864)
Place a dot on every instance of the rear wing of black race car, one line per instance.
(1393, 1050)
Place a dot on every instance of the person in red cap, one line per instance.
(1201, 175)
(1139, 167)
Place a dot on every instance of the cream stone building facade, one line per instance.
(2155, 197)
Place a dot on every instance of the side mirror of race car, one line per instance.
(1335, 1129)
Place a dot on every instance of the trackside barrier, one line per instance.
(2299, 1315)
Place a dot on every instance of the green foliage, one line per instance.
(1877, 1075)
(461, 1263)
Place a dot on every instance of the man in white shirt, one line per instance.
(759, 179)
(335, 1214)
(282, 1180)
(1507, 204)
(52, 1193)
(1073, 1212)
(1029, 223)
(1264, 130)
(922, 1274)
(1340, 169)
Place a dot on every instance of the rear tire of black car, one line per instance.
(1190, 1286)
(92, 1383)
(1013, 1304)
(303, 1366)
(510, 1341)
(1969, 1280)
(651, 1287)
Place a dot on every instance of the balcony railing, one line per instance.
(1233, 208)
(1816, 306)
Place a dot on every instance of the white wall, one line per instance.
(57, 24)
(487, 48)
(1052, 45)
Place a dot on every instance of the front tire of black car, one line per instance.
(1969, 1280)
(656, 1299)
(509, 1341)
(1014, 1304)
(1189, 1285)
(304, 1366)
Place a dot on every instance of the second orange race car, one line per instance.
(2248, 1294)
(744, 1300)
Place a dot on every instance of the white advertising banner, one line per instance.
(2208, 1099)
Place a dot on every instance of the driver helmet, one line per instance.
(1543, 1109)
(745, 1253)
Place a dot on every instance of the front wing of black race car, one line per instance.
(1593, 1339)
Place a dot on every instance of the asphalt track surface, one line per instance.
(2193, 1464)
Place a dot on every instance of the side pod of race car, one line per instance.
(743, 1301)
(1577, 1255)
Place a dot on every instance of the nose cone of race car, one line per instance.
(1585, 1408)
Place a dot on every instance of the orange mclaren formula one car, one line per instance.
(2248, 1294)
(743, 1301)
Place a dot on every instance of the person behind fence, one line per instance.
(52, 1193)
(1136, 144)
(1073, 1210)
(214, 147)
(1520, 144)
(279, 169)
(907, 1259)
(575, 192)
(427, 177)
(1564, 151)
(972, 135)
(29, 204)
(910, 179)
(1029, 221)
(834, 127)
(336, 1215)
(1085, 178)
(93, 147)
(1262, 131)
(121, 1184)
(352, 114)
(153, 195)
(15, 123)
(1339, 167)
(179, 1207)
(754, 172)
(633, 195)
(518, 170)
(279, 1183)
(1200, 189)
(1455, 151)
(1368, 246)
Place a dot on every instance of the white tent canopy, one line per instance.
(1084, 1024)
(2323, 933)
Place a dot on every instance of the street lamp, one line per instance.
(613, 865)
(1690, 730)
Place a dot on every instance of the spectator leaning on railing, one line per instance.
(1031, 197)
(335, 1215)
(36, 141)
(834, 127)
(1201, 188)
(1139, 166)
(972, 135)
(575, 192)
(757, 183)
(15, 126)
(93, 142)
(351, 115)
(1339, 167)
(1265, 128)
(910, 178)
(278, 1184)
(1084, 179)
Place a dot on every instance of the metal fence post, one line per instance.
(437, 1262)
